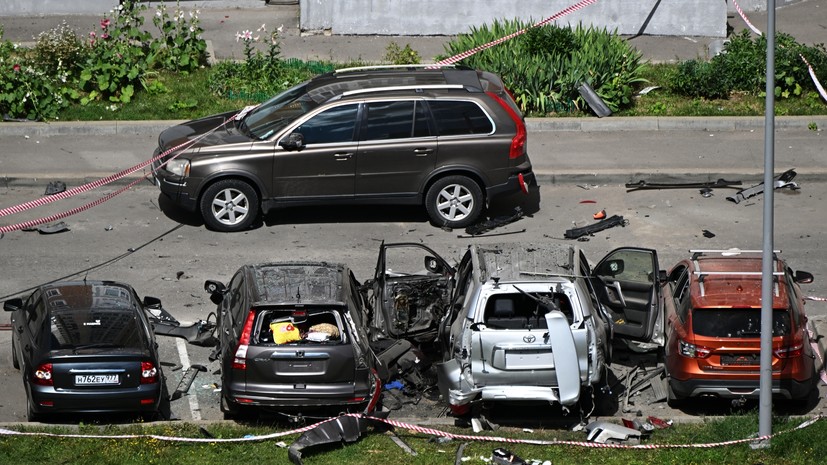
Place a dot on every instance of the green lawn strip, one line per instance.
(793, 447)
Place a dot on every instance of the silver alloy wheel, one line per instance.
(230, 206)
(455, 202)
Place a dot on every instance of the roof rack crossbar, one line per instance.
(375, 67)
(385, 89)
(735, 251)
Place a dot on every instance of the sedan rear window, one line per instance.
(737, 322)
(300, 327)
(95, 328)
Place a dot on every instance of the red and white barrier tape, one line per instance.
(418, 429)
(479, 48)
(817, 299)
(744, 17)
(818, 85)
(95, 184)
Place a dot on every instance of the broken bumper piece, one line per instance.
(348, 428)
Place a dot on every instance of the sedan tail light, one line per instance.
(149, 373)
(693, 351)
(518, 142)
(43, 375)
(240, 359)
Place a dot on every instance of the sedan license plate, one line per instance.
(95, 380)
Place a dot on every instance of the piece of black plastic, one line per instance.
(55, 187)
(594, 101)
(680, 185)
(487, 225)
(186, 381)
(612, 221)
(345, 428)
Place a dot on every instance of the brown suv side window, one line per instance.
(333, 125)
(459, 117)
(395, 120)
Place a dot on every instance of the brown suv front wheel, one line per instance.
(229, 205)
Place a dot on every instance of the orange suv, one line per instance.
(713, 328)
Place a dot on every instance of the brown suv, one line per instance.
(450, 138)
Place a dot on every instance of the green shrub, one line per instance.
(742, 67)
(695, 78)
(544, 66)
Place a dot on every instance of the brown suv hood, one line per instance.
(181, 133)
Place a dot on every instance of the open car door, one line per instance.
(628, 283)
(410, 292)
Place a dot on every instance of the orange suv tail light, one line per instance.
(693, 351)
(789, 352)
(240, 359)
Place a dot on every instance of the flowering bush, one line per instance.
(25, 91)
(180, 47)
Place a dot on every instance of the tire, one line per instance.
(229, 205)
(14, 361)
(31, 415)
(454, 202)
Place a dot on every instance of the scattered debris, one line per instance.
(647, 89)
(492, 223)
(459, 455)
(55, 187)
(502, 456)
(53, 228)
(706, 192)
(597, 105)
(343, 428)
(784, 179)
(603, 432)
(614, 220)
(199, 333)
(402, 444)
(678, 185)
(600, 215)
(708, 234)
(186, 381)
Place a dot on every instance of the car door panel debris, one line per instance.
(603, 432)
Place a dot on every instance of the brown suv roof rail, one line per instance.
(380, 67)
(391, 88)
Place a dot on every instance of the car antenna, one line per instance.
(298, 295)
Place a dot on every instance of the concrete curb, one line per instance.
(584, 124)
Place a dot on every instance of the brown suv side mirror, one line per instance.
(294, 142)
(803, 277)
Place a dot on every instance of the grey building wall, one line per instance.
(55, 7)
(440, 17)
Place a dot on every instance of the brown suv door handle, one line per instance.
(423, 152)
(343, 156)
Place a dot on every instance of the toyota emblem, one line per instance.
(529, 339)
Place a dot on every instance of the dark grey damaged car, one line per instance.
(292, 336)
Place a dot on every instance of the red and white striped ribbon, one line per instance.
(479, 48)
(814, 78)
(744, 17)
(418, 429)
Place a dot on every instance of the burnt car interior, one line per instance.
(520, 311)
(300, 327)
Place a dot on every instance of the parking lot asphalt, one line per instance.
(805, 20)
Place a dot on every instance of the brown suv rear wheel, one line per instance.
(454, 202)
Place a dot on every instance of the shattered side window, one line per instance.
(737, 322)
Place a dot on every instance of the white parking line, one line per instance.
(195, 410)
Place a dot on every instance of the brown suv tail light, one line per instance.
(518, 142)
(693, 351)
(240, 358)
(789, 352)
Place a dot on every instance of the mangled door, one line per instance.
(410, 291)
(630, 279)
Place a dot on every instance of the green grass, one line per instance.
(794, 447)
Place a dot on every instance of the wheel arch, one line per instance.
(470, 173)
(247, 177)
